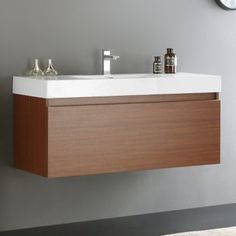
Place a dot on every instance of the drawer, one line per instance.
(95, 139)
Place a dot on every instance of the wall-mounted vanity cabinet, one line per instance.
(84, 125)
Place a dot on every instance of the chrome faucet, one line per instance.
(106, 61)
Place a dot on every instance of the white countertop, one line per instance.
(71, 86)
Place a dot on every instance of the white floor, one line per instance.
(215, 232)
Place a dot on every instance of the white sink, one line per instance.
(66, 86)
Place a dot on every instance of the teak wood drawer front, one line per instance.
(93, 139)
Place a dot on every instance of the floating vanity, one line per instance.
(82, 125)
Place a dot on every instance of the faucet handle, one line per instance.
(106, 52)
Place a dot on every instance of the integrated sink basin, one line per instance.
(69, 86)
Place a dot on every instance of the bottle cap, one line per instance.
(170, 50)
(157, 58)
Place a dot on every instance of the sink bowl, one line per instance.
(68, 86)
(96, 77)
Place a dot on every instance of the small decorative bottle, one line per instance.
(157, 66)
(50, 71)
(170, 61)
(36, 71)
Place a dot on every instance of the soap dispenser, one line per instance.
(170, 61)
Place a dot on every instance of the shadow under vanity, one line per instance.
(82, 125)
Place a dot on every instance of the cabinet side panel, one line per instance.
(126, 137)
(30, 134)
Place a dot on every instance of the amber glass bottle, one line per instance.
(170, 61)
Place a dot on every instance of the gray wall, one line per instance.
(72, 32)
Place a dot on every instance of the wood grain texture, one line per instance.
(94, 139)
(115, 134)
(131, 99)
(30, 134)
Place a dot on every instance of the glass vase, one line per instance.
(50, 71)
(36, 71)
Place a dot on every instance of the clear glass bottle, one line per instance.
(36, 71)
(157, 66)
(50, 71)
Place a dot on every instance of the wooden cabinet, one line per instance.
(83, 136)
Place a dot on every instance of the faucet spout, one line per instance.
(115, 57)
(106, 61)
